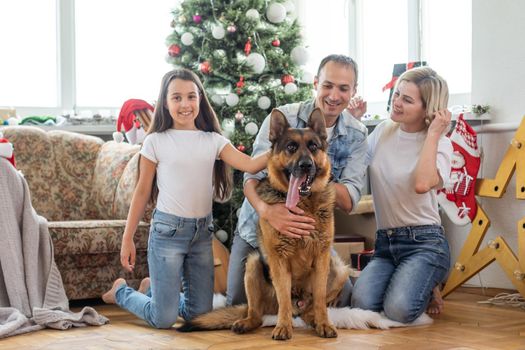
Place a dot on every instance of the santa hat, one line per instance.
(6, 150)
(130, 123)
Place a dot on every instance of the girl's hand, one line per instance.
(441, 122)
(127, 254)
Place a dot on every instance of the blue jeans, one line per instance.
(408, 263)
(179, 251)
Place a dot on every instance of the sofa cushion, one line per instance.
(76, 156)
(40, 171)
(126, 187)
(111, 163)
(93, 236)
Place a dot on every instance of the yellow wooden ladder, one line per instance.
(471, 259)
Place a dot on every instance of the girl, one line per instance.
(186, 153)
(409, 159)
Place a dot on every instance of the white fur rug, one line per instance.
(343, 318)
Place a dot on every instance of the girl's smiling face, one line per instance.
(183, 101)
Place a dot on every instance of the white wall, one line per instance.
(498, 57)
(498, 79)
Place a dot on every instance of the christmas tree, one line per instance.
(248, 55)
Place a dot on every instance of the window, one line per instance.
(28, 63)
(120, 50)
(447, 41)
(62, 55)
(381, 33)
(325, 30)
(382, 42)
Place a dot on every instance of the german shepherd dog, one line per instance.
(289, 268)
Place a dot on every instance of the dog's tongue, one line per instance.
(292, 198)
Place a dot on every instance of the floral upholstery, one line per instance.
(83, 186)
(110, 166)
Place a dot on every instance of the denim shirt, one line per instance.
(346, 150)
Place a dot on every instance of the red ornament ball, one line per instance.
(276, 42)
(174, 50)
(241, 147)
(205, 67)
(197, 18)
(287, 78)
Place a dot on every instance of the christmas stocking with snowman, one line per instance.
(457, 198)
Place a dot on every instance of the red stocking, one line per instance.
(457, 198)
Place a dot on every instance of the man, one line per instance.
(335, 84)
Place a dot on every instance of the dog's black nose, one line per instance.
(305, 164)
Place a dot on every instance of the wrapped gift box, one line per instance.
(361, 259)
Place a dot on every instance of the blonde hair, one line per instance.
(432, 88)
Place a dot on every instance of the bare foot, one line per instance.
(109, 296)
(435, 307)
(144, 285)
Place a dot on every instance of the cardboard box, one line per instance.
(345, 249)
(345, 245)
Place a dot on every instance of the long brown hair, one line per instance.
(206, 121)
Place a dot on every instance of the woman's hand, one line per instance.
(441, 123)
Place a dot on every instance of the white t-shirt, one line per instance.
(185, 160)
(392, 161)
(329, 133)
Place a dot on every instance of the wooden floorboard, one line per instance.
(464, 324)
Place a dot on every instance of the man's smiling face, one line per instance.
(335, 86)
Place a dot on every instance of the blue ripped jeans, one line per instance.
(179, 252)
(408, 263)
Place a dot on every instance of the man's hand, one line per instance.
(292, 223)
(357, 107)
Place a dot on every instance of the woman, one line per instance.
(409, 160)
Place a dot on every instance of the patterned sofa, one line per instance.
(83, 186)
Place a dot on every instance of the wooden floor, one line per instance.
(464, 324)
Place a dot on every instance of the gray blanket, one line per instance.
(32, 295)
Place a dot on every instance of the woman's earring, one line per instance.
(427, 121)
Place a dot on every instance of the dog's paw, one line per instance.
(245, 325)
(282, 332)
(326, 330)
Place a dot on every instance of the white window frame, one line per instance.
(65, 63)
(66, 56)
(66, 81)
(415, 44)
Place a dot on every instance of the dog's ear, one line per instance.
(317, 123)
(278, 125)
